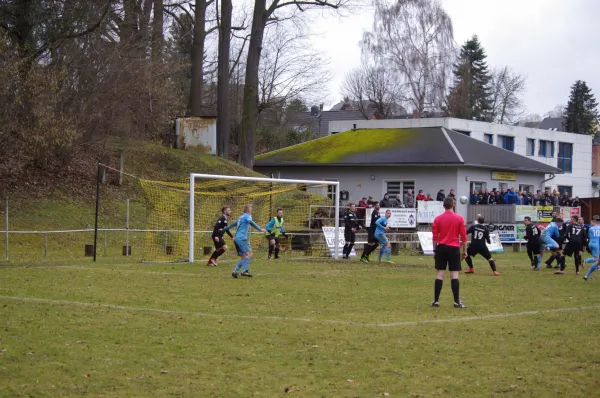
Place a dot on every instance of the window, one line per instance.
(546, 149)
(565, 157)
(530, 147)
(503, 185)
(396, 187)
(478, 185)
(464, 132)
(526, 188)
(330, 188)
(506, 142)
(562, 189)
(489, 138)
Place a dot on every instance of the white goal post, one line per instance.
(194, 176)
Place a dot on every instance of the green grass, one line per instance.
(312, 328)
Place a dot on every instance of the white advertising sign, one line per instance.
(426, 240)
(329, 233)
(427, 211)
(401, 218)
(507, 232)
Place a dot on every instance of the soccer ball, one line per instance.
(463, 200)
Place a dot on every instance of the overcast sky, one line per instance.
(552, 42)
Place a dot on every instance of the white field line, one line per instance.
(305, 320)
(171, 312)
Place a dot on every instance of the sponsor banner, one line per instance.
(329, 233)
(544, 213)
(504, 176)
(426, 240)
(526, 211)
(521, 231)
(427, 211)
(401, 218)
(506, 232)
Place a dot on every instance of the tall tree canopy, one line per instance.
(581, 113)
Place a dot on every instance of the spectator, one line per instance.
(554, 201)
(371, 201)
(429, 198)
(421, 195)
(525, 199)
(440, 196)
(361, 210)
(397, 202)
(474, 197)
(566, 200)
(493, 198)
(452, 195)
(385, 202)
(409, 199)
(511, 198)
(502, 197)
(485, 198)
(575, 202)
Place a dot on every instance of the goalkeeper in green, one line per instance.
(274, 231)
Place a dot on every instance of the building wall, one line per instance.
(596, 160)
(579, 178)
(359, 183)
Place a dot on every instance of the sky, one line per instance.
(551, 42)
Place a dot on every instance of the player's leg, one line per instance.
(577, 259)
(386, 248)
(351, 243)
(271, 240)
(277, 247)
(594, 266)
(240, 263)
(530, 254)
(441, 264)
(455, 268)
(382, 239)
(471, 252)
(347, 237)
(485, 253)
(570, 250)
(246, 264)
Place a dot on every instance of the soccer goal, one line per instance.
(181, 215)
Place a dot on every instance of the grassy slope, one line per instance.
(67, 349)
(69, 210)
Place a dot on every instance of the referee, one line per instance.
(447, 229)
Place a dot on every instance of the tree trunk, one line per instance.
(250, 114)
(157, 31)
(195, 102)
(223, 112)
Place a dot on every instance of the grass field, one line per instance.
(330, 329)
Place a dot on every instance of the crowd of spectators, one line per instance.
(512, 196)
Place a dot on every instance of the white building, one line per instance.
(571, 153)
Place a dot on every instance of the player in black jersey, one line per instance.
(217, 236)
(480, 235)
(577, 237)
(561, 241)
(534, 245)
(351, 225)
(372, 242)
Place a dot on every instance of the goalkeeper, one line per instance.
(241, 241)
(274, 231)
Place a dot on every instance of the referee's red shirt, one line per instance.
(447, 227)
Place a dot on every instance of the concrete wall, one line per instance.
(485, 175)
(579, 178)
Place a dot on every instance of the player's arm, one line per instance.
(229, 233)
(471, 229)
(227, 228)
(463, 237)
(434, 233)
(255, 225)
(487, 236)
(270, 225)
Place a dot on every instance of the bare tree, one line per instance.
(507, 89)
(558, 111)
(415, 38)
(261, 16)
(374, 90)
(223, 111)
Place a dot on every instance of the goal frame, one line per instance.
(192, 198)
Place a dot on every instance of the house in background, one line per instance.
(372, 162)
(571, 153)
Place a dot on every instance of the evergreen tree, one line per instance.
(470, 96)
(581, 113)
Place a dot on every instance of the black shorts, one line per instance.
(573, 247)
(272, 237)
(535, 247)
(371, 237)
(220, 243)
(482, 250)
(349, 236)
(447, 257)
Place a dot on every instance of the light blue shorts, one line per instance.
(242, 247)
(594, 249)
(382, 239)
(550, 243)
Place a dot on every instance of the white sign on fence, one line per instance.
(522, 211)
(401, 218)
(329, 233)
(426, 240)
(427, 211)
(507, 232)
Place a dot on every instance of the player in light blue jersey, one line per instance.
(241, 241)
(551, 235)
(593, 245)
(380, 230)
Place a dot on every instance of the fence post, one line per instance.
(6, 225)
(45, 244)
(127, 232)
(105, 243)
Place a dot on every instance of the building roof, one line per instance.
(319, 123)
(552, 123)
(428, 146)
